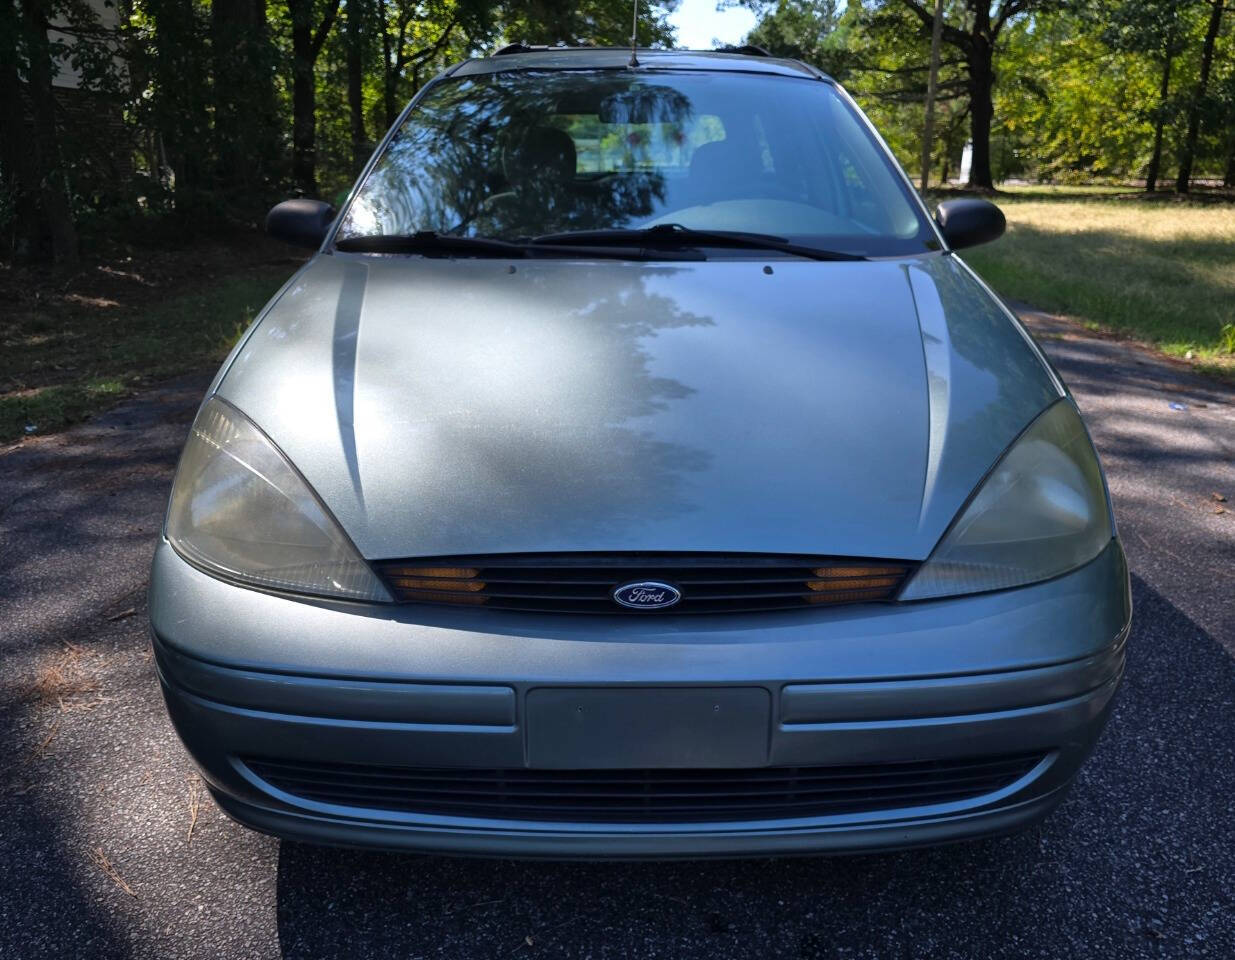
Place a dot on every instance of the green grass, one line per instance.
(1159, 271)
(63, 362)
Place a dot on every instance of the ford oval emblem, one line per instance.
(646, 595)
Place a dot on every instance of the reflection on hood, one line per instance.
(444, 406)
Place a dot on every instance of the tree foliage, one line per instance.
(202, 112)
(225, 105)
(1074, 87)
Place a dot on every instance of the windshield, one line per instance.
(518, 155)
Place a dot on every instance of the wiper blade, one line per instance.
(674, 234)
(429, 241)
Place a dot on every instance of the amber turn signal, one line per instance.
(463, 586)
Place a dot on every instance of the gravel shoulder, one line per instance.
(109, 846)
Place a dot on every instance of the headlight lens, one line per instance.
(1041, 512)
(239, 508)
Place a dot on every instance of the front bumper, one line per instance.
(254, 675)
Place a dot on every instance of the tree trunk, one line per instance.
(269, 142)
(390, 68)
(1188, 153)
(244, 114)
(355, 83)
(932, 80)
(228, 37)
(18, 165)
(981, 113)
(181, 114)
(306, 45)
(1228, 178)
(1155, 159)
(52, 187)
(304, 99)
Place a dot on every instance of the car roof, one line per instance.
(519, 57)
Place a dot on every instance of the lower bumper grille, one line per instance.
(695, 582)
(645, 796)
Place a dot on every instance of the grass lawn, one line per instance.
(70, 347)
(1160, 270)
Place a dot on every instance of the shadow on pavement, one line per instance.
(1138, 861)
(55, 915)
(74, 515)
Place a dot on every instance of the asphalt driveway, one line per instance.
(110, 848)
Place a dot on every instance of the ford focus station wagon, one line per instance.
(636, 470)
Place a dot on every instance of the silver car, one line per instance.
(636, 471)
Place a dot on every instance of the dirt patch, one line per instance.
(68, 680)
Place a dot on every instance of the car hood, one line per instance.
(470, 406)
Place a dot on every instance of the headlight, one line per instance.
(239, 508)
(1041, 512)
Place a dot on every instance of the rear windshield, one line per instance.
(516, 155)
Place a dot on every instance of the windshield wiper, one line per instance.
(430, 242)
(674, 234)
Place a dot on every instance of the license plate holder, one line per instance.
(616, 728)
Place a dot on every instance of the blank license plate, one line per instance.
(629, 728)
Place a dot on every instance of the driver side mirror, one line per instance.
(968, 222)
(303, 223)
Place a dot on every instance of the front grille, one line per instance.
(584, 582)
(645, 796)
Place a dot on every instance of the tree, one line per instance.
(212, 131)
(357, 15)
(1085, 88)
(1188, 153)
(977, 40)
(600, 22)
(1069, 105)
(877, 52)
(19, 172)
(176, 45)
(309, 32)
(415, 35)
(932, 84)
(245, 117)
(1224, 113)
(33, 163)
(859, 43)
(1159, 29)
(806, 30)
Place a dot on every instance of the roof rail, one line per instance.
(748, 49)
(522, 47)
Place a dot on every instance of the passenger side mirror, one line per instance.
(968, 222)
(300, 222)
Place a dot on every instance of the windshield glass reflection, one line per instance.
(517, 155)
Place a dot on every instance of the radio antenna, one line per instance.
(634, 32)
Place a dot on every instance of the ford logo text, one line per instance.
(646, 595)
